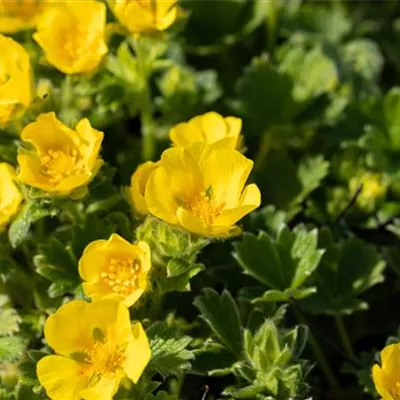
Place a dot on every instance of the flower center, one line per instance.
(121, 275)
(204, 207)
(58, 164)
(105, 359)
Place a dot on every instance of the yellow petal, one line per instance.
(227, 172)
(92, 139)
(382, 384)
(234, 126)
(93, 260)
(72, 36)
(49, 133)
(250, 200)
(183, 167)
(98, 289)
(10, 196)
(67, 330)
(159, 198)
(29, 172)
(62, 378)
(105, 389)
(212, 125)
(132, 298)
(138, 353)
(193, 224)
(185, 133)
(139, 181)
(145, 256)
(390, 357)
(111, 317)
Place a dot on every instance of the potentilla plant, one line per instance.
(199, 200)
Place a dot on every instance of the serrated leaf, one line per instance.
(222, 316)
(30, 213)
(264, 95)
(169, 355)
(11, 347)
(346, 271)
(313, 72)
(311, 172)
(283, 264)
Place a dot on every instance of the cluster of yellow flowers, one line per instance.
(198, 185)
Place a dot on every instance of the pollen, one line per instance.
(59, 164)
(204, 206)
(122, 274)
(104, 358)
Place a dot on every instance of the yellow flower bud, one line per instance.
(10, 196)
(72, 35)
(16, 15)
(96, 347)
(63, 159)
(116, 269)
(210, 128)
(202, 189)
(386, 377)
(15, 79)
(139, 16)
(138, 186)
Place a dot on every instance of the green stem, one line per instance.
(321, 359)
(345, 338)
(146, 105)
(273, 9)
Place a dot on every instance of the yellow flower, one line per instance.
(95, 347)
(138, 185)
(65, 159)
(115, 268)
(15, 79)
(140, 16)
(10, 196)
(387, 376)
(72, 35)
(16, 15)
(372, 192)
(211, 128)
(202, 189)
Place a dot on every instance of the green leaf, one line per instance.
(169, 355)
(283, 264)
(318, 21)
(364, 58)
(11, 347)
(311, 172)
(265, 95)
(283, 191)
(222, 316)
(313, 73)
(57, 263)
(30, 213)
(213, 359)
(9, 318)
(347, 270)
(392, 115)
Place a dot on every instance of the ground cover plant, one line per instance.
(199, 200)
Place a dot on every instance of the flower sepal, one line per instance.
(174, 253)
(169, 242)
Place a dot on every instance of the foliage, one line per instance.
(299, 303)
